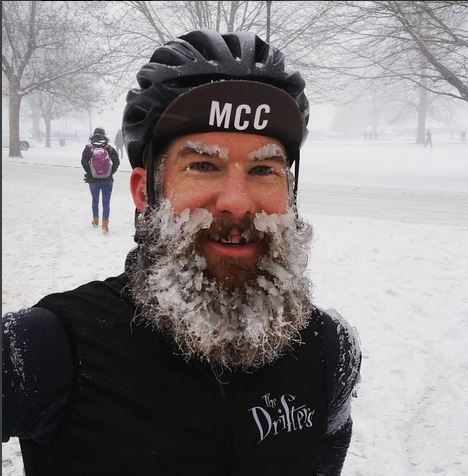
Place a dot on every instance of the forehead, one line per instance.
(234, 144)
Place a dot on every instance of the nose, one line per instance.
(235, 196)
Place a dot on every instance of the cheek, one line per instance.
(182, 196)
(273, 200)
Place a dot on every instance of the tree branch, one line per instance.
(448, 75)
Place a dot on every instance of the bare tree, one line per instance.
(138, 27)
(220, 16)
(439, 31)
(420, 42)
(356, 47)
(51, 107)
(44, 42)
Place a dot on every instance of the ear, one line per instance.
(138, 188)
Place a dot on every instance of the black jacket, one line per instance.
(88, 392)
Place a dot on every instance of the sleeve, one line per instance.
(37, 368)
(114, 156)
(334, 451)
(342, 361)
(85, 156)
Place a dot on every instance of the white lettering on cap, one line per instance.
(262, 108)
(222, 117)
(216, 113)
(239, 110)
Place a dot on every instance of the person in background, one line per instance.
(207, 355)
(428, 138)
(100, 162)
(119, 143)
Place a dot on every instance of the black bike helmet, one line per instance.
(200, 58)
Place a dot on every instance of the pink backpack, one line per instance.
(100, 162)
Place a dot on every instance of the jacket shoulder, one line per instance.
(341, 351)
(96, 295)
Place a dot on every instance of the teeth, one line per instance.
(232, 240)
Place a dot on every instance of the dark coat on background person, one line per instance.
(87, 154)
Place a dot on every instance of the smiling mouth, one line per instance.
(233, 239)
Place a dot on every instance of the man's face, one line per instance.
(233, 176)
(222, 256)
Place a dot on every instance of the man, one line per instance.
(119, 143)
(100, 161)
(428, 138)
(207, 355)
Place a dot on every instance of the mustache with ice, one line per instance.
(247, 325)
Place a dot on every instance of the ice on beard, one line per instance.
(186, 224)
(274, 223)
(208, 320)
(197, 220)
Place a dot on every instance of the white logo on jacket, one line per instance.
(272, 419)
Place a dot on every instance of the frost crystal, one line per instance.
(267, 152)
(210, 149)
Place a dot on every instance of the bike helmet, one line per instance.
(201, 66)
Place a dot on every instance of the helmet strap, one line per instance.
(151, 155)
(296, 176)
(150, 192)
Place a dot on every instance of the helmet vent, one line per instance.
(206, 49)
(135, 115)
(144, 83)
(261, 51)
(232, 42)
(166, 57)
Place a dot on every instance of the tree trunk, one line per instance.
(90, 121)
(218, 15)
(14, 119)
(422, 110)
(374, 114)
(48, 122)
(268, 20)
(232, 15)
(36, 123)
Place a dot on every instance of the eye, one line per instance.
(202, 167)
(263, 170)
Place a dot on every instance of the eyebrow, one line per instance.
(266, 152)
(269, 152)
(212, 150)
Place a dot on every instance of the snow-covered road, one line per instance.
(410, 206)
(390, 253)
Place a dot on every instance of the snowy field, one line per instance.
(390, 254)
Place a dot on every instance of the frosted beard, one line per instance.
(229, 312)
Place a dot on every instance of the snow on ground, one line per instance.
(390, 254)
